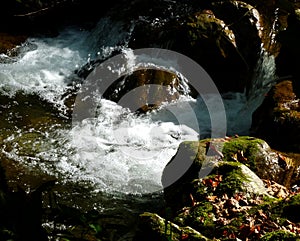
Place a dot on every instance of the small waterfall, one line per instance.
(107, 37)
(244, 104)
(264, 77)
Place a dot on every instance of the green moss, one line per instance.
(291, 209)
(202, 218)
(159, 229)
(280, 210)
(233, 181)
(245, 145)
(280, 235)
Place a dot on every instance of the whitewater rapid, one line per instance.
(118, 151)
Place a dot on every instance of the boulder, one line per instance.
(9, 42)
(154, 227)
(234, 162)
(146, 89)
(205, 39)
(277, 120)
(287, 60)
(242, 161)
(219, 197)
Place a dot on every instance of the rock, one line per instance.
(243, 163)
(267, 163)
(205, 39)
(280, 235)
(154, 227)
(277, 120)
(242, 18)
(10, 41)
(230, 201)
(286, 61)
(25, 111)
(191, 156)
(21, 212)
(146, 89)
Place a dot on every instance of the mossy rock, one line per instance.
(280, 235)
(192, 157)
(243, 149)
(153, 227)
(239, 178)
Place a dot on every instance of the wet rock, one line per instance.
(242, 19)
(286, 61)
(147, 89)
(277, 120)
(21, 212)
(10, 41)
(205, 39)
(25, 111)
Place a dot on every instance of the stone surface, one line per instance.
(277, 120)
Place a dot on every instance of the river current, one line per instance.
(118, 152)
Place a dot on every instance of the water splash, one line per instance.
(244, 104)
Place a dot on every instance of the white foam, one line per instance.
(118, 152)
(44, 70)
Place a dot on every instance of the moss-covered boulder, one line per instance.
(154, 227)
(280, 235)
(277, 120)
(205, 158)
(241, 162)
(220, 197)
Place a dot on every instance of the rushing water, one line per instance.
(118, 152)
